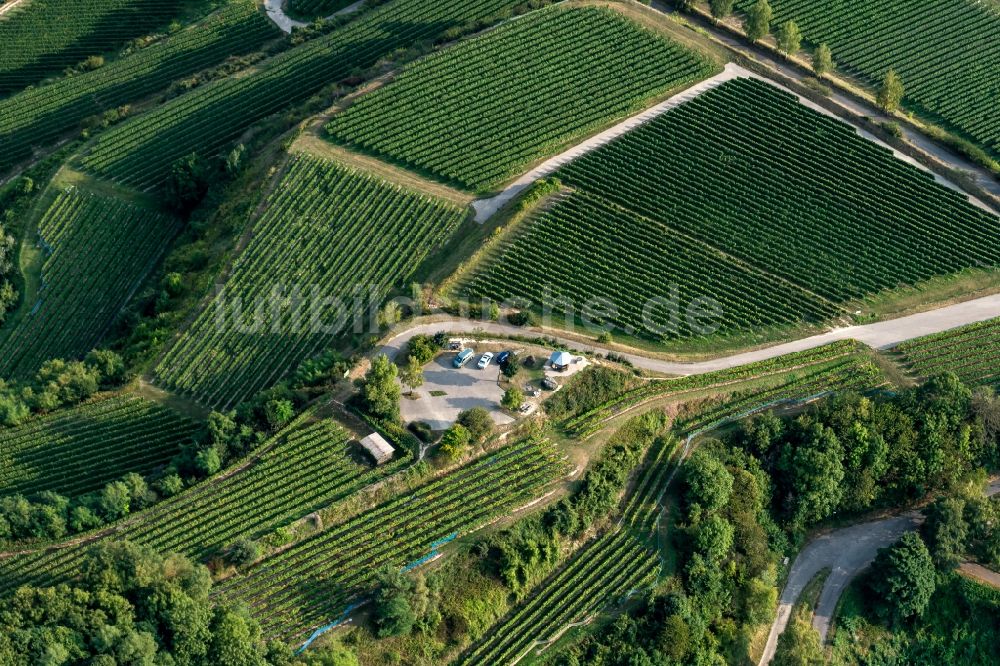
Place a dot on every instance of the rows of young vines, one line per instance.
(141, 151)
(946, 52)
(594, 249)
(50, 35)
(971, 352)
(749, 170)
(40, 115)
(306, 467)
(305, 585)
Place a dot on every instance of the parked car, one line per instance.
(526, 407)
(549, 384)
(502, 358)
(532, 391)
(463, 357)
(484, 360)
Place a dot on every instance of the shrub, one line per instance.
(478, 422)
(243, 552)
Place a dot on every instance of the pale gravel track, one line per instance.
(881, 335)
(486, 208)
(275, 10)
(10, 5)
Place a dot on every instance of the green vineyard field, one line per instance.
(747, 170)
(306, 585)
(140, 152)
(478, 113)
(946, 52)
(50, 35)
(97, 252)
(636, 260)
(603, 571)
(79, 450)
(971, 352)
(327, 231)
(305, 467)
(39, 116)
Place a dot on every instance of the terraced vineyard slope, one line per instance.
(302, 587)
(479, 112)
(48, 36)
(140, 152)
(41, 115)
(79, 450)
(305, 467)
(330, 238)
(946, 52)
(98, 251)
(610, 568)
(971, 352)
(761, 193)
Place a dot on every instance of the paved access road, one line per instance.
(846, 552)
(881, 335)
(275, 10)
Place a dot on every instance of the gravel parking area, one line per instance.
(447, 391)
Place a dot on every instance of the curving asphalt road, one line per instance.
(881, 335)
(846, 552)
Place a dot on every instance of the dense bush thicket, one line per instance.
(132, 606)
(744, 501)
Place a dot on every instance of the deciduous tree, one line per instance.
(789, 38)
(380, 391)
(823, 60)
(902, 578)
(721, 8)
(758, 24)
(891, 93)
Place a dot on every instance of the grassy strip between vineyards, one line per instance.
(946, 52)
(51, 35)
(798, 366)
(39, 116)
(313, 581)
(332, 234)
(79, 450)
(971, 352)
(99, 250)
(141, 151)
(307, 466)
(478, 113)
(747, 171)
(314, 8)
